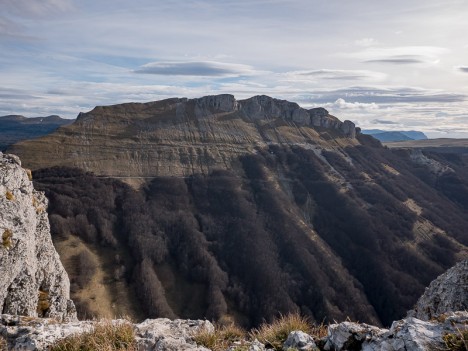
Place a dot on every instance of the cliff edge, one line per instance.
(33, 281)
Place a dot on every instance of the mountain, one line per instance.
(389, 136)
(243, 209)
(14, 128)
(179, 137)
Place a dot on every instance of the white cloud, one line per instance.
(342, 104)
(366, 42)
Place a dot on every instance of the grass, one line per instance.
(221, 338)
(273, 334)
(105, 336)
(456, 341)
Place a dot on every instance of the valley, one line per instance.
(240, 210)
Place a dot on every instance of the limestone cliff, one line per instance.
(447, 293)
(33, 282)
(180, 137)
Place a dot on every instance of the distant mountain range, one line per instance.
(395, 135)
(14, 128)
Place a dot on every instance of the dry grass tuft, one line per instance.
(3, 344)
(221, 338)
(275, 334)
(456, 341)
(105, 336)
(29, 173)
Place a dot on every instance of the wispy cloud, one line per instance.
(383, 121)
(400, 60)
(196, 68)
(335, 74)
(401, 55)
(36, 8)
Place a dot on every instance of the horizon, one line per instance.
(398, 66)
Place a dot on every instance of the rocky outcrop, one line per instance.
(152, 334)
(33, 281)
(447, 293)
(406, 334)
(435, 167)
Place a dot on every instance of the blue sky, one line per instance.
(393, 65)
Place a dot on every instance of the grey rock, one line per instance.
(265, 107)
(349, 335)
(417, 335)
(447, 293)
(223, 102)
(300, 341)
(247, 345)
(406, 334)
(349, 129)
(165, 335)
(25, 333)
(33, 281)
(432, 165)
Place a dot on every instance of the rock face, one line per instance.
(152, 334)
(447, 293)
(180, 136)
(406, 334)
(33, 281)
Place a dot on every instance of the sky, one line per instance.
(397, 65)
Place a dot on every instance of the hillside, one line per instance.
(14, 128)
(245, 209)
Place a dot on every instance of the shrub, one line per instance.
(221, 338)
(105, 336)
(275, 334)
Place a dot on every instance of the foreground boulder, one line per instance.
(406, 334)
(448, 292)
(33, 281)
(24, 333)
